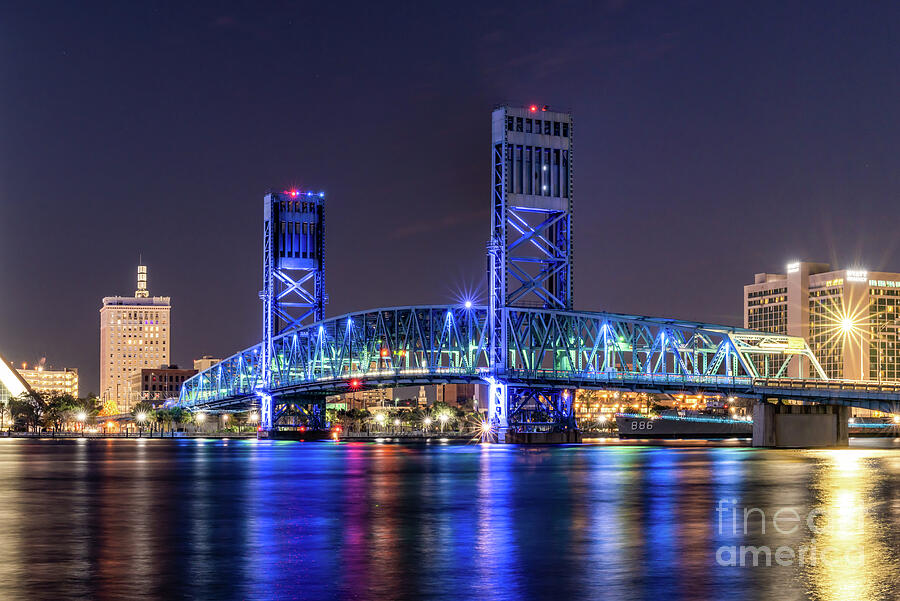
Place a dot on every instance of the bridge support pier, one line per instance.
(800, 426)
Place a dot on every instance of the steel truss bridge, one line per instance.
(532, 359)
(549, 353)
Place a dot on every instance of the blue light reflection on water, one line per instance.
(260, 520)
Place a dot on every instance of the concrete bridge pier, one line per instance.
(800, 426)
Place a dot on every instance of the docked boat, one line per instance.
(682, 426)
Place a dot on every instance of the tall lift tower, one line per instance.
(293, 293)
(530, 250)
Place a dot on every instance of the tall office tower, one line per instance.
(849, 317)
(134, 334)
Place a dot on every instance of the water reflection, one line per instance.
(248, 520)
(852, 557)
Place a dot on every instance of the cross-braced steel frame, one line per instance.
(530, 250)
(293, 293)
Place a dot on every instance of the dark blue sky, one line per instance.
(714, 140)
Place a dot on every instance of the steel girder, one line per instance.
(547, 354)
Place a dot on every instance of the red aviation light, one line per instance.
(354, 383)
(385, 352)
(295, 193)
(533, 108)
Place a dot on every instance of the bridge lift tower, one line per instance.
(293, 293)
(530, 254)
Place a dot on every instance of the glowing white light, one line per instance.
(427, 421)
(468, 304)
(846, 325)
(141, 416)
(857, 275)
(380, 418)
(793, 267)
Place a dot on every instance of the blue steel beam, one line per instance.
(548, 353)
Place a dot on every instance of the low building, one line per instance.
(205, 362)
(49, 380)
(156, 385)
(362, 399)
(464, 396)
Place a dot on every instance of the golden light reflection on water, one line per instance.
(851, 560)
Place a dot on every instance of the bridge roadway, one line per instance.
(546, 349)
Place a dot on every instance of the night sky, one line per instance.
(713, 141)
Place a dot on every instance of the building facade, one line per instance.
(134, 334)
(848, 316)
(12, 384)
(157, 384)
(53, 381)
(463, 396)
(205, 362)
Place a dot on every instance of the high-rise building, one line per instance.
(60, 381)
(134, 334)
(849, 317)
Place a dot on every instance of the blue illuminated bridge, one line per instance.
(527, 344)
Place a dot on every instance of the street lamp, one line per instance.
(443, 418)
(848, 326)
(379, 419)
(427, 422)
(141, 417)
(81, 416)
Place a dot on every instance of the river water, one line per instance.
(240, 519)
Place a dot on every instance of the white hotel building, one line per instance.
(848, 316)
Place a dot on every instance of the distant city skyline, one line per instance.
(704, 154)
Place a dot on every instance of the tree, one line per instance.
(110, 407)
(163, 417)
(59, 409)
(28, 409)
(179, 416)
